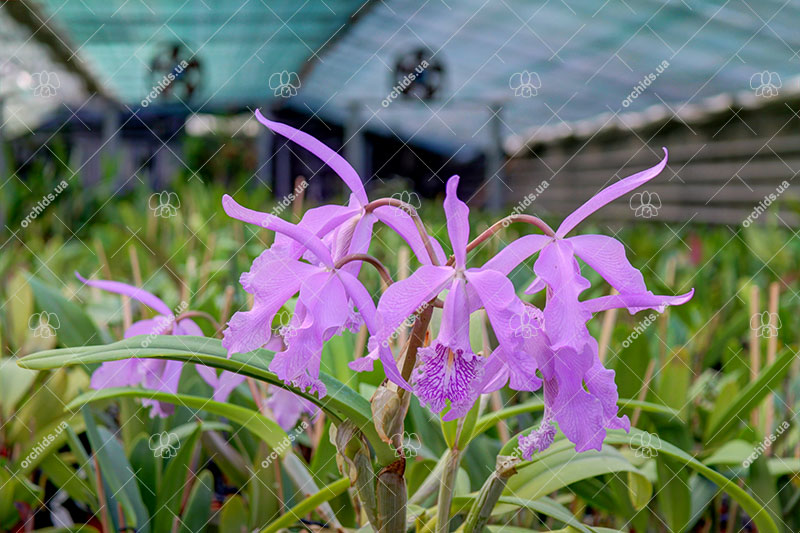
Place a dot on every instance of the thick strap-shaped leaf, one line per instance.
(341, 403)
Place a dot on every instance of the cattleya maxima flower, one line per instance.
(550, 347)
(450, 369)
(327, 294)
(565, 352)
(155, 374)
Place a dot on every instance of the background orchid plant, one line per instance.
(315, 269)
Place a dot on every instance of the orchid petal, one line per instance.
(502, 305)
(319, 221)
(140, 295)
(609, 194)
(356, 291)
(271, 222)
(272, 279)
(606, 256)
(564, 317)
(402, 224)
(159, 325)
(457, 214)
(635, 302)
(187, 326)
(122, 373)
(319, 149)
(516, 252)
(404, 297)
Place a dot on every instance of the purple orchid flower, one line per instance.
(347, 229)
(449, 369)
(222, 384)
(324, 308)
(159, 375)
(288, 407)
(579, 393)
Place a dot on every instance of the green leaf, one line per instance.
(66, 477)
(534, 406)
(749, 398)
(264, 428)
(309, 504)
(14, 383)
(341, 403)
(233, 517)
(176, 476)
(117, 473)
(196, 515)
(75, 328)
(750, 506)
(560, 465)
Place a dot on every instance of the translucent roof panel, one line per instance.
(550, 64)
(232, 48)
(32, 84)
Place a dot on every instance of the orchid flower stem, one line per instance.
(408, 208)
(382, 270)
(490, 493)
(415, 343)
(504, 222)
(199, 314)
(447, 488)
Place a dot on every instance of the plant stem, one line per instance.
(490, 492)
(502, 223)
(391, 496)
(382, 270)
(446, 488)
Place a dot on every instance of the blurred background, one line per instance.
(112, 96)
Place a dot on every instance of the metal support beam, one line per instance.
(495, 184)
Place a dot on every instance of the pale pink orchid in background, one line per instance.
(155, 374)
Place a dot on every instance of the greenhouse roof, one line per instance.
(547, 64)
